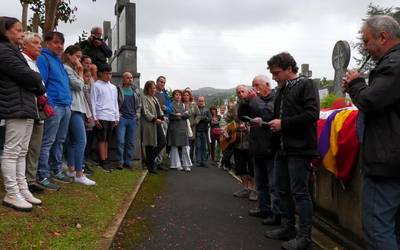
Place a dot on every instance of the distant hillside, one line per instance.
(212, 92)
(215, 96)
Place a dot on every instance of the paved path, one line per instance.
(197, 211)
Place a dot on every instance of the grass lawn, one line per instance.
(72, 218)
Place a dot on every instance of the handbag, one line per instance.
(190, 132)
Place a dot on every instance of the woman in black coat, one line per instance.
(19, 86)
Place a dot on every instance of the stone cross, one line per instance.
(340, 61)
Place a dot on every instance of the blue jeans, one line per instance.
(51, 151)
(293, 176)
(268, 198)
(126, 140)
(380, 203)
(77, 140)
(201, 146)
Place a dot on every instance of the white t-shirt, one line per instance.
(104, 97)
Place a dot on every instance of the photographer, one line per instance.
(95, 47)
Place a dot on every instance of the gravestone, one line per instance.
(340, 61)
(305, 70)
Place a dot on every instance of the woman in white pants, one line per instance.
(177, 134)
(18, 86)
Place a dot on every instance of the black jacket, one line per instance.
(380, 103)
(299, 99)
(99, 54)
(260, 138)
(18, 85)
(205, 118)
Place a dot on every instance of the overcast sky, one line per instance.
(220, 43)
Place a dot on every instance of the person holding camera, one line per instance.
(95, 47)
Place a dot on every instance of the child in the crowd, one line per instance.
(89, 124)
(104, 96)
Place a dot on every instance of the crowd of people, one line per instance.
(54, 102)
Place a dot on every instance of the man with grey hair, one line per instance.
(260, 108)
(95, 47)
(379, 103)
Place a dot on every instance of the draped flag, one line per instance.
(338, 143)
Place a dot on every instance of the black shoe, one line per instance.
(258, 213)
(274, 220)
(162, 167)
(106, 166)
(87, 170)
(283, 233)
(127, 166)
(35, 187)
(152, 171)
(298, 243)
(120, 166)
(202, 165)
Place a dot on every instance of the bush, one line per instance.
(328, 100)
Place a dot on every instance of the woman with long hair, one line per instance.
(80, 111)
(194, 118)
(19, 86)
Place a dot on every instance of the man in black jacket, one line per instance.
(296, 112)
(202, 132)
(379, 103)
(95, 47)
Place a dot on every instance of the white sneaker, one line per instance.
(84, 180)
(187, 169)
(30, 198)
(17, 202)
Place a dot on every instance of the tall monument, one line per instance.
(122, 40)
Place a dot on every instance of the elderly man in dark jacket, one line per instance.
(296, 112)
(19, 85)
(259, 107)
(379, 105)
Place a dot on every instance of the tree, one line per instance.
(372, 11)
(48, 13)
(325, 83)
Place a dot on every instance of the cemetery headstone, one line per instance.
(340, 60)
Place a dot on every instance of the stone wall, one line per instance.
(338, 206)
